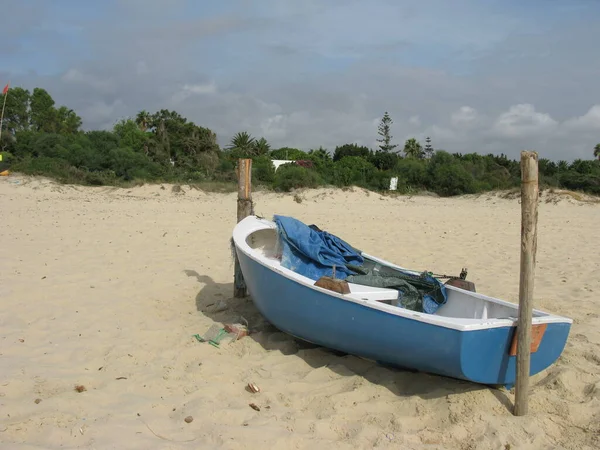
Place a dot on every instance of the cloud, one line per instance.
(590, 121)
(474, 76)
(91, 81)
(103, 113)
(415, 121)
(465, 117)
(523, 121)
(189, 90)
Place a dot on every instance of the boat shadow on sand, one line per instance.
(216, 302)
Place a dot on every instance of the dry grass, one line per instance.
(558, 194)
(223, 187)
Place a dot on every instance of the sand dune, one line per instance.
(105, 288)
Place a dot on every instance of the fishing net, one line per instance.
(422, 293)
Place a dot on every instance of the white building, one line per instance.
(280, 162)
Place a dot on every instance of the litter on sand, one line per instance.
(218, 334)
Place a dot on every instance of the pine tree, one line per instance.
(428, 148)
(384, 132)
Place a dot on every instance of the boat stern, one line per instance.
(488, 356)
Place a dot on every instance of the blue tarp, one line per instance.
(313, 253)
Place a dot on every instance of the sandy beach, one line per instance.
(104, 288)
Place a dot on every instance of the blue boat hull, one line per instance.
(480, 356)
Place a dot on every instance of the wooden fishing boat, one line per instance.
(460, 333)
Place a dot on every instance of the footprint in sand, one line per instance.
(592, 357)
(592, 391)
(580, 338)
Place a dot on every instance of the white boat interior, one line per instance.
(464, 310)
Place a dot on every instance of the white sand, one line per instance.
(101, 283)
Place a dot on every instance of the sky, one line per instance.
(485, 76)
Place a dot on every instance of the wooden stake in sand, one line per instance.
(529, 219)
(245, 208)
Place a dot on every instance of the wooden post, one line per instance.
(245, 208)
(529, 219)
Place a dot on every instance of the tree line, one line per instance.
(41, 138)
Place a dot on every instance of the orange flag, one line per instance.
(5, 90)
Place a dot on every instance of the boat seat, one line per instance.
(372, 293)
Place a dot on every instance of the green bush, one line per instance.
(288, 153)
(450, 180)
(56, 168)
(351, 150)
(581, 182)
(131, 165)
(7, 160)
(412, 172)
(324, 167)
(263, 169)
(353, 170)
(384, 160)
(291, 176)
(380, 181)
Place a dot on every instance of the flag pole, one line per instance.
(2, 115)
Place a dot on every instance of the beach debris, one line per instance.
(189, 419)
(254, 407)
(218, 334)
(21, 340)
(253, 388)
(37, 401)
(163, 437)
(80, 388)
(214, 335)
(236, 328)
(121, 378)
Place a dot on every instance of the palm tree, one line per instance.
(242, 143)
(261, 147)
(597, 151)
(320, 153)
(143, 120)
(412, 149)
(562, 165)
